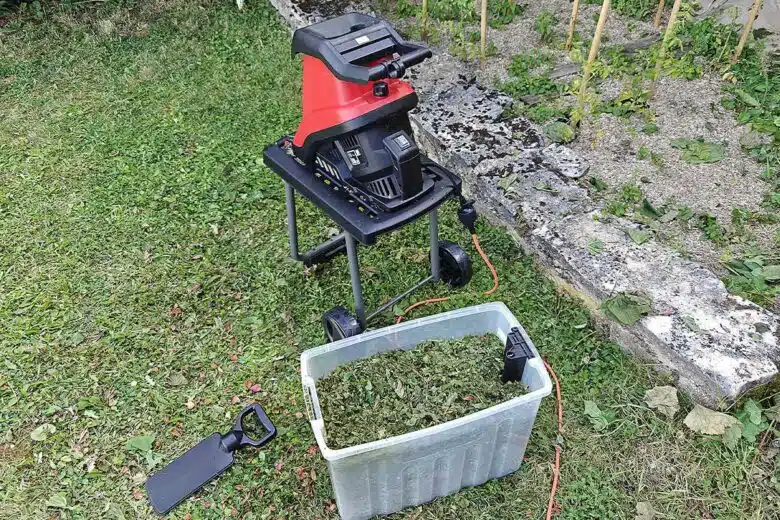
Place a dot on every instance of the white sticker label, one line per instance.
(354, 156)
(362, 39)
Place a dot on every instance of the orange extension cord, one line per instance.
(557, 467)
(445, 298)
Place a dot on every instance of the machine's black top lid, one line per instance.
(348, 43)
(341, 25)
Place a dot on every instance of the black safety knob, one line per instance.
(381, 89)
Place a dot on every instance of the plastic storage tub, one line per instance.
(385, 476)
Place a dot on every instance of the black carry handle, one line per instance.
(417, 56)
(203, 462)
(270, 429)
(397, 68)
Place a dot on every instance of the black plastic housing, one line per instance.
(354, 217)
(405, 157)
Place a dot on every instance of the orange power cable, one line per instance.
(487, 262)
(445, 298)
(420, 304)
(557, 468)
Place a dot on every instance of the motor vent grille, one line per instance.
(350, 142)
(383, 187)
(329, 168)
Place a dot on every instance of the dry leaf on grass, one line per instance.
(42, 432)
(177, 379)
(663, 399)
(57, 501)
(644, 511)
(709, 422)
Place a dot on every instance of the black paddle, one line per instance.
(204, 462)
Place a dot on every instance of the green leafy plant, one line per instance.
(545, 26)
(650, 129)
(753, 420)
(422, 31)
(595, 246)
(712, 229)
(541, 112)
(456, 10)
(649, 211)
(598, 184)
(406, 8)
(627, 196)
(706, 38)
(524, 80)
(754, 278)
(503, 12)
(559, 132)
(699, 151)
(638, 236)
(535, 58)
(466, 46)
(142, 446)
(630, 102)
(684, 213)
(635, 8)
(627, 308)
(598, 419)
(658, 160)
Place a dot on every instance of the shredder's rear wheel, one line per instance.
(339, 323)
(455, 264)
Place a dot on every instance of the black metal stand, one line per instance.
(363, 222)
(345, 242)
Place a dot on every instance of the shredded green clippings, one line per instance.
(403, 391)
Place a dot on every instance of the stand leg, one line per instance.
(435, 261)
(354, 273)
(292, 224)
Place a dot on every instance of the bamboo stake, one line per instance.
(748, 29)
(425, 20)
(574, 12)
(483, 30)
(668, 34)
(659, 14)
(594, 51)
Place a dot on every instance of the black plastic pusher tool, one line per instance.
(204, 462)
(354, 156)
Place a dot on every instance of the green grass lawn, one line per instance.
(145, 287)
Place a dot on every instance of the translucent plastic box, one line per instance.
(385, 476)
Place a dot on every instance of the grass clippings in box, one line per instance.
(401, 391)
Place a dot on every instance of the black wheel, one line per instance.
(339, 324)
(455, 264)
